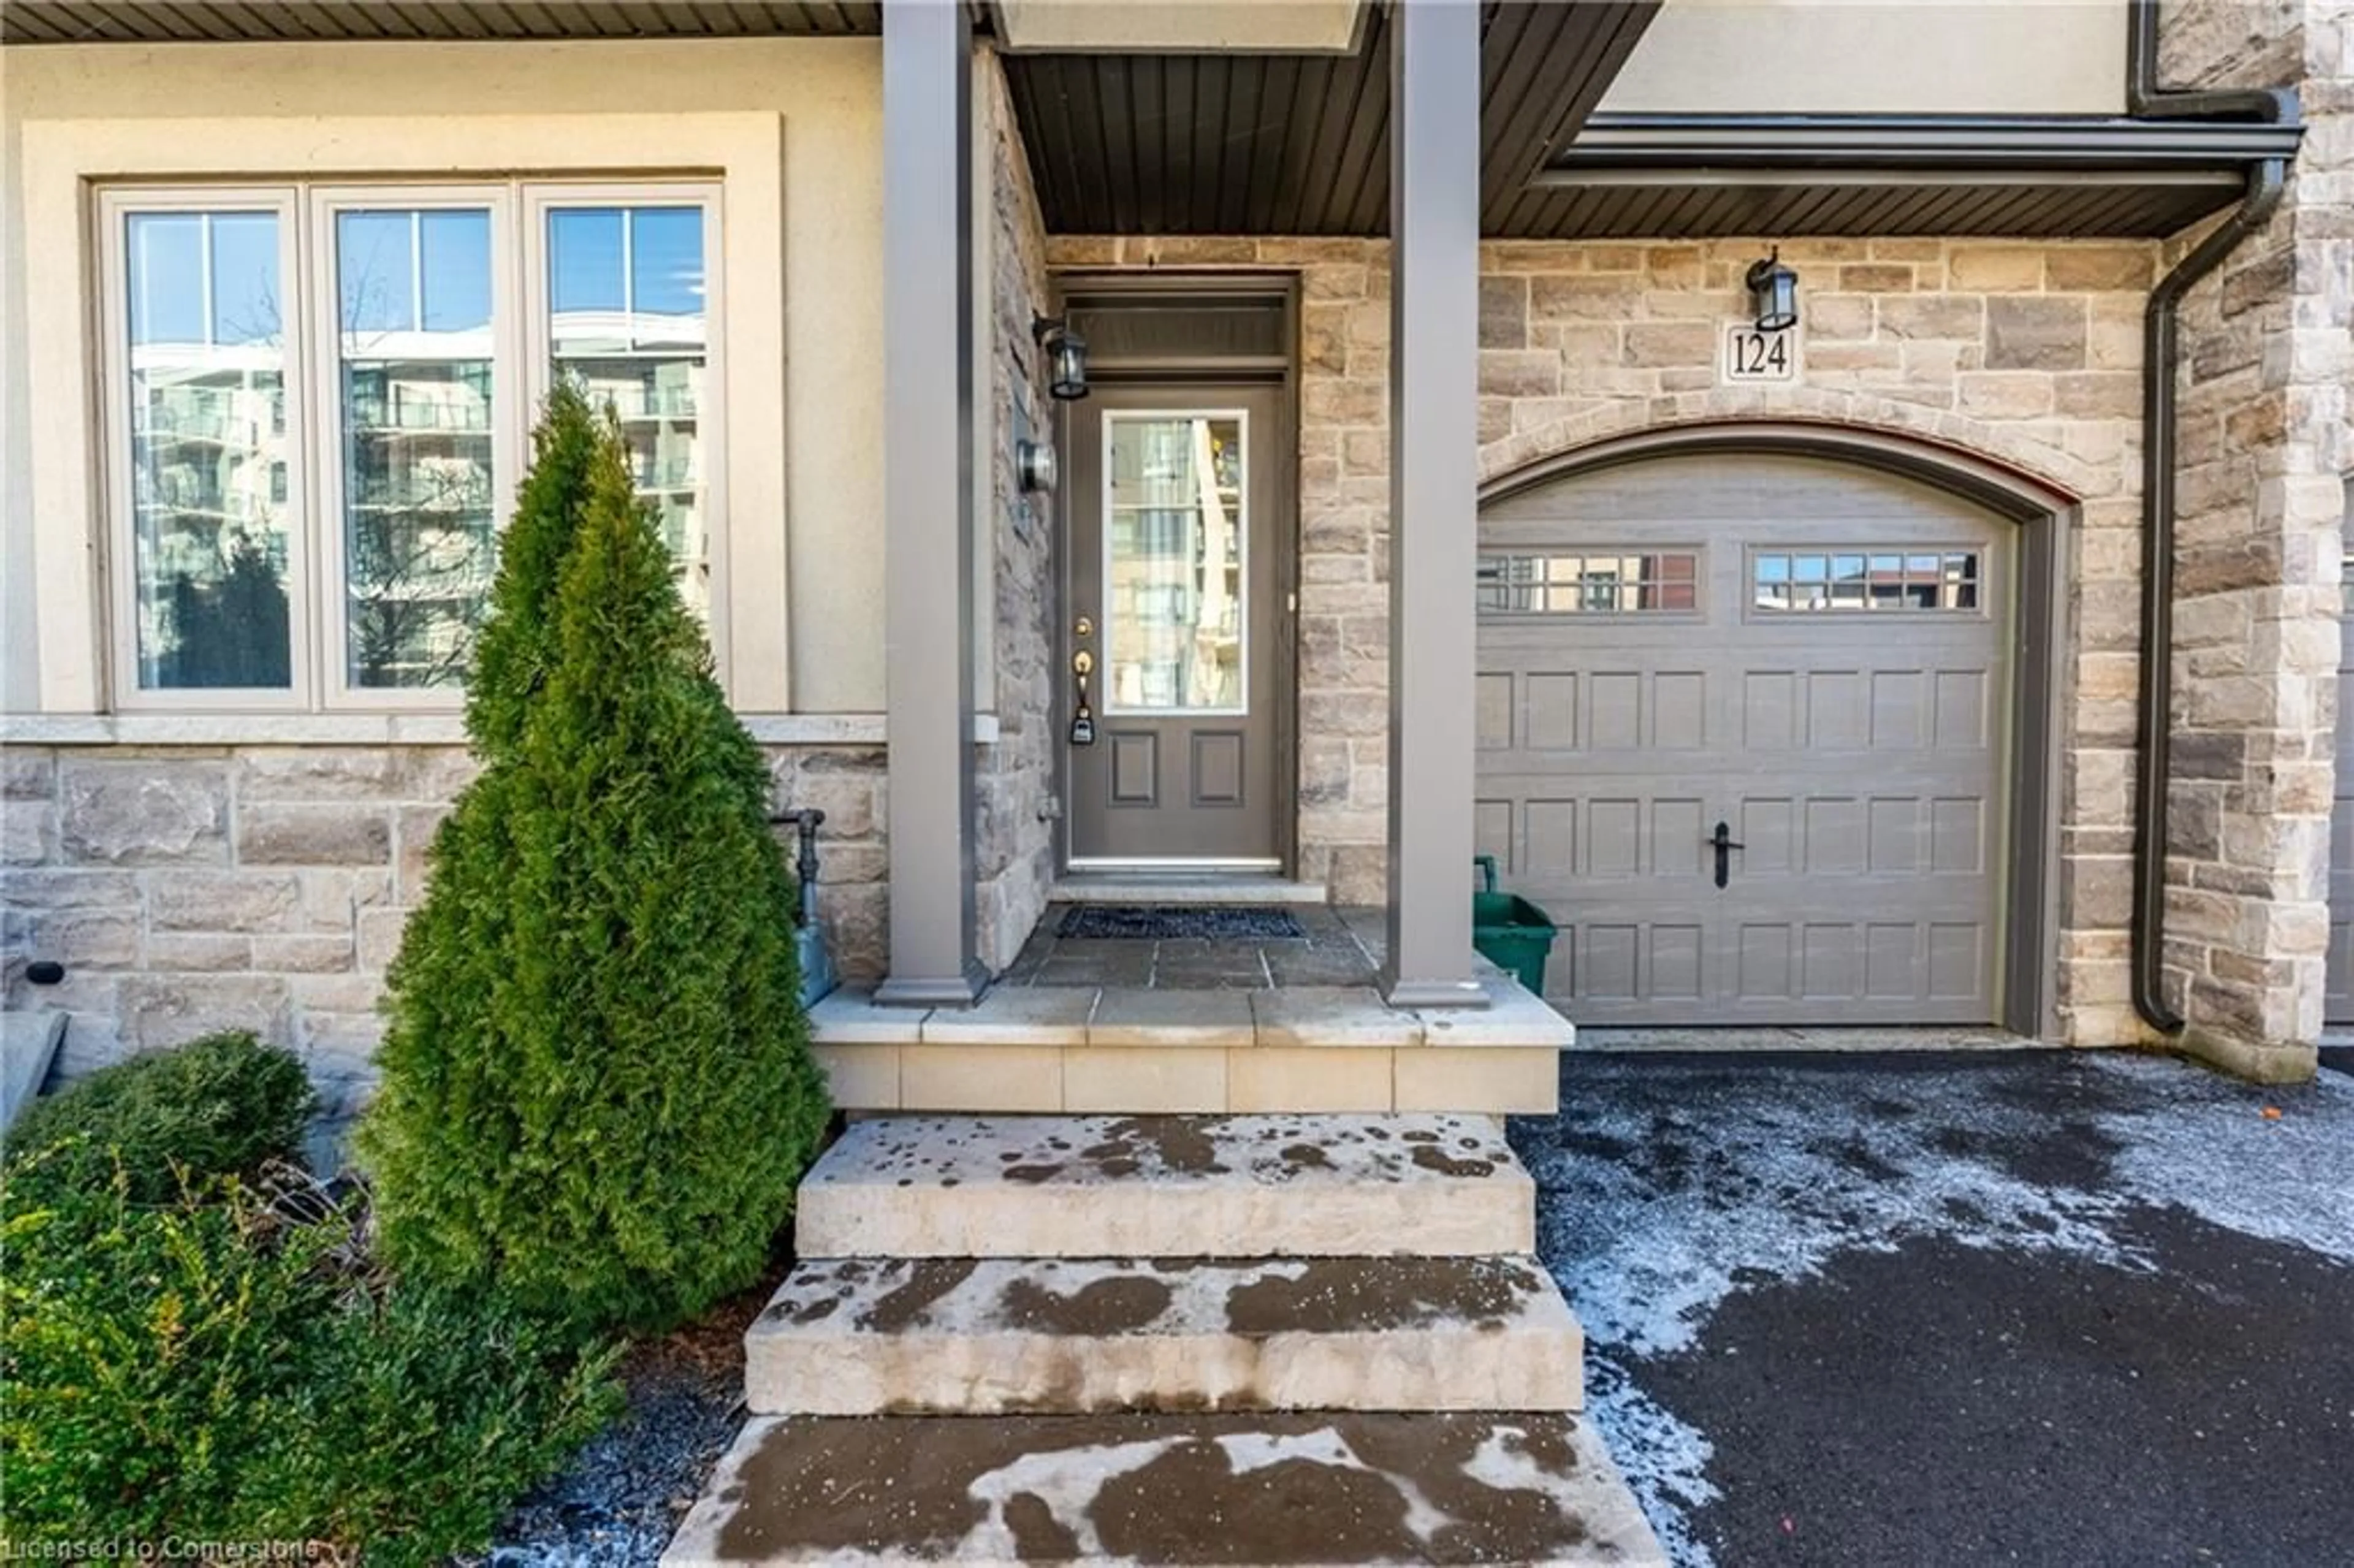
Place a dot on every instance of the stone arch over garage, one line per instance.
(2033, 451)
(2039, 897)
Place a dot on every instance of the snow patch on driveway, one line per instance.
(1652, 1213)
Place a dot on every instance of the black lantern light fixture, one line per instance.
(1066, 358)
(1772, 293)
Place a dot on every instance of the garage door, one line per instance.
(1741, 725)
(2338, 1006)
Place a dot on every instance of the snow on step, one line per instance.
(1256, 1186)
(1191, 1488)
(987, 1336)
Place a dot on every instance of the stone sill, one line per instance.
(388, 729)
(1145, 1080)
(1313, 1018)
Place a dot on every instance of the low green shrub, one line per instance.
(212, 1369)
(194, 1343)
(222, 1105)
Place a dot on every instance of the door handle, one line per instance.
(1723, 843)
(1083, 717)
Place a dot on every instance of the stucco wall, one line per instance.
(2026, 353)
(795, 126)
(1892, 57)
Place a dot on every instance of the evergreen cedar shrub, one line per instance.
(222, 1105)
(211, 1365)
(597, 1091)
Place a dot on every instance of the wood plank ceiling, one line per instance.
(265, 21)
(1239, 143)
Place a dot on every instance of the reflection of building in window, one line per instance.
(1174, 563)
(420, 499)
(411, 408)
(208, 457)
(1864, 579)
(1588, 582)
(627, 320)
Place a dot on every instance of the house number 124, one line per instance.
(1753, 355)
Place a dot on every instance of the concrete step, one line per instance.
(28, 1043)
(1168, 1488)
(991, 1336)
(1171, 1186)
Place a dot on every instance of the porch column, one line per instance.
(1433, 496)
(928, 343)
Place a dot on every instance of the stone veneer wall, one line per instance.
(2027, 353)
(2266, 444)
(1013, 836)
(188, 889)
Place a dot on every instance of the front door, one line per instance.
(1176, 707)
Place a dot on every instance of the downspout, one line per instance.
(2161, 346)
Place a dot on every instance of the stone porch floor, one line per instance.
(1194, 1025)
(1344, 947)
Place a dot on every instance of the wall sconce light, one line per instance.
(1066, 358)
(1034, 467)
(1772, 293)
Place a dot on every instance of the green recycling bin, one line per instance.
(1509, 931)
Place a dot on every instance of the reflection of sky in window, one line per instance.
(168, 258)
(666, 260)
(167, 278)
(245, 277)
(648, 261)
(386, 261)
(372, 270)
(456, 274)
(585, 259)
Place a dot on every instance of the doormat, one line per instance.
(1168, 922)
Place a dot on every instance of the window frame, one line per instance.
(522, 369)
(116, 208)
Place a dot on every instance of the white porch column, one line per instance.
(927, 345)
(1433, 496)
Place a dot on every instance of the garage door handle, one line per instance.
(1722, 842)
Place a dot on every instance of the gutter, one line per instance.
(2161, 354)
(1822, 144)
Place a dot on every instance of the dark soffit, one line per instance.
(1669, 177)
(271, 21)
(1241, 143)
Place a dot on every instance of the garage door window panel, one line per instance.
(1590, 582)
(1864, 579)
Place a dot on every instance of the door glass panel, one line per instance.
(628, 319)
(211, 518)
(1176, 581)
(414, 291)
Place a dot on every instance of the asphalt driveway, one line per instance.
(1905, 1311)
